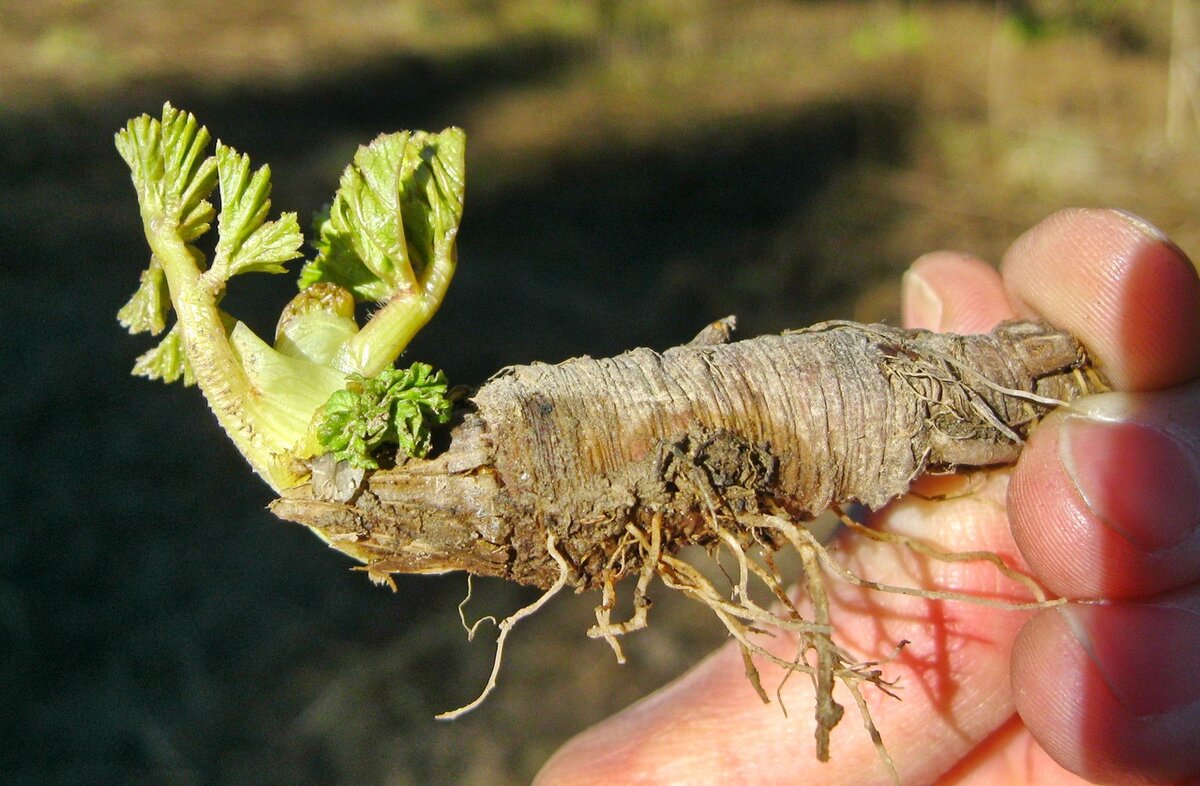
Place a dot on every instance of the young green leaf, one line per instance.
(417, 177)
(390, 237)
(370, 257)
(395, 408)
(248, 242)
(432, 198)
(167, 361)
(146, 311)
(171, 172)
(173, 179)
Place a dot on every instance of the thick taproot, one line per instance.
(837, 413)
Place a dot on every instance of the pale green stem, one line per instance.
(218, 373)
(390, 329)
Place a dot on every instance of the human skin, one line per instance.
(1103, 508)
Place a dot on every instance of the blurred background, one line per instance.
(635, 170)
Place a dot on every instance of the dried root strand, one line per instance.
(604, 627)
(817, 653)
(828, 656)
(507, 624)
(924, 549)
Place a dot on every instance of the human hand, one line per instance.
(1104, 504)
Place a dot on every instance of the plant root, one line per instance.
(507, 624)
(604, 628)
(587, 471)
(747, 542)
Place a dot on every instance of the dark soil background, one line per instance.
(635, 171)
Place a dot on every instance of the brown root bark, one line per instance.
(581, 473)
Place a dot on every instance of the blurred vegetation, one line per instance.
(636, 170)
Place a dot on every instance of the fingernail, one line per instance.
(1142, 225)
(920, 302)
(1144, 653)
(1153, 234)
(1138, 479)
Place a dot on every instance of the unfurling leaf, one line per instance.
(248, 242)
(167, 361)
(146, 311)
(416, 177)
(395, 408)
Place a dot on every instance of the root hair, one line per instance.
(507, 624)
(748, 540)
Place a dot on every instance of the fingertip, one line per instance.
(1103, 500)
(949, 291)
(920, 304)
(1108, 691)
(1048, 669)
(1112, 279)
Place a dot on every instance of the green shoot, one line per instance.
(391, 244)
(394, 408)
(389, 238)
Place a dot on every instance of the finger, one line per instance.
(1105, 499)
(1117, 283)
(948, 291)
(710, 727)
(1110, 691)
